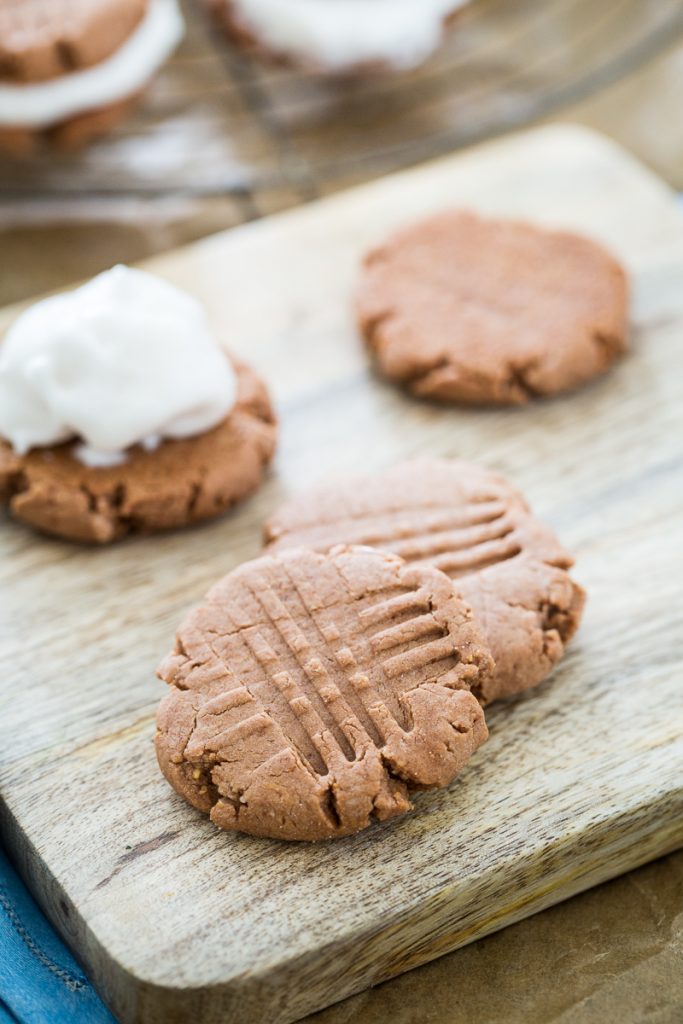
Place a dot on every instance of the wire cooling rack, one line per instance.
(217, 123)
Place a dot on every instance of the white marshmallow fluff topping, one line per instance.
(126, 359)
(342, 34)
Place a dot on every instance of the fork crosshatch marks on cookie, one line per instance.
(472, 525)
(312, 693)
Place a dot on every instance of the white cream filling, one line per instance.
(39, 104)
(95, 458)
(338, 34)
(126, 359)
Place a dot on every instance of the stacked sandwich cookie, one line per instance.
(71, 69)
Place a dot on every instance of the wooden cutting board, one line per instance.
(178, 922)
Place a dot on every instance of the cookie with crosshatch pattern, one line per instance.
(311, 694)
(471, 524)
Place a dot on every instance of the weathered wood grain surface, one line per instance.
(580, 781)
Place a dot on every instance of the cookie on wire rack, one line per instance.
(70, 70)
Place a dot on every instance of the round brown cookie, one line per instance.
(181, 482)
(310, 694)
(459, 308)
(43, 39)
(475, 527)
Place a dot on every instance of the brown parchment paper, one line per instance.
(613, 955)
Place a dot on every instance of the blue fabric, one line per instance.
(40, 982)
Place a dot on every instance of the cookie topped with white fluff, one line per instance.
(120, 411)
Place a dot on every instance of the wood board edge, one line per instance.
(439, 925)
